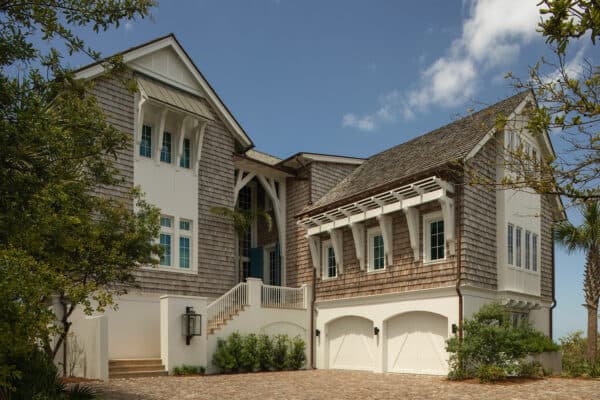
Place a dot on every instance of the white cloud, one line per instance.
(492, 36)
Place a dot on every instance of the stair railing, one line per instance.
(226, 306)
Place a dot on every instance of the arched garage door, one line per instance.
(351, 344)
(416, 343)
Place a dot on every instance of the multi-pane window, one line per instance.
(436, 243)
(378, 252)
(527, 250)
(245, 203)
(518, 246)
(330, 264)
(184, 162)
(534, 252)
(273, 268)
(185, 241)
(165, 150)
(509, 247)
(146, 143)
(165, 240)
(518, 318)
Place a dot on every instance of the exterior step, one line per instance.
(134, 368)
(117, 375)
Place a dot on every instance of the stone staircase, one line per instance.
(134, 368)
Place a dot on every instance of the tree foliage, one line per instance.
(59, 237)
(586, 238)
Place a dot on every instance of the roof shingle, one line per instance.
(423, 153)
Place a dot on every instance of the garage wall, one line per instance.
(354, 320)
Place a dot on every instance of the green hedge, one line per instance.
(189, 370)
(490, 343)
(248, 353)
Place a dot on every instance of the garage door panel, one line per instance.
(351, 344)
(416, 343)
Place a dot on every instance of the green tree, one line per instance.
(56, 151)
(586, 237)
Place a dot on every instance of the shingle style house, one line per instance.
(374, 262)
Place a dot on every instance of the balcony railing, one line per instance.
(283, 297)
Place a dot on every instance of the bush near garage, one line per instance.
(250, 353)
(491, 344)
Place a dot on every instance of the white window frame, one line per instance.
(427, 220)
(325, 246)
(510, 244)
(185, 234)
(371, 233)
(164, 230)
(518, 247)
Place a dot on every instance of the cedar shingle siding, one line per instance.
(215, 188)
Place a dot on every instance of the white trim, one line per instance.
(358, 234)
(386, 225)
(332, 158)
(371, 233)
(427, 220)
(315, 248)
(169, 41)
(337, 239)
(412, 221)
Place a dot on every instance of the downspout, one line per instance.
(312, 320)
(553, 285)
(458, 211)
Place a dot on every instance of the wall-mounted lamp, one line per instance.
(191, 324)
(454, 329)
(317, 333)
(376, 331)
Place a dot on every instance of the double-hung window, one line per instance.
(527, 250)
(166, 239)
(185, 243)
(509, 244)
(534, 252)
(376, 250)
(146, 143)
(518, 246)
(329, 263)
(165, 150)
(185, 154)
(434, 243)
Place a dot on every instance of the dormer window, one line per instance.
(146, 143)
(165, 151)
(184, 162)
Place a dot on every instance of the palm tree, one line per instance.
(242, 221)
(586, 237)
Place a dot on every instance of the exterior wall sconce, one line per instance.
(191, 324)
(317, 333)
(454, 329)
(376, 331)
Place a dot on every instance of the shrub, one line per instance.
(489, 339)
(249, 360)
(280, 352)
(297, 354)
(574, 359)
(222, 358)
(529, 369)
(490, 373)
(264, 352)
(188, 370)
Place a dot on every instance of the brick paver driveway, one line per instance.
(322, 384)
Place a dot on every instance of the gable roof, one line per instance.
(424, 153)
(170, 41)
(263, 157)
(299, 159)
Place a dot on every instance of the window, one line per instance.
(527, 250)
(165, 150)
(146, 144)
(518, 246)
(245, 203)
(184, 162)
(518, 318)
(509, 242)
(329, 263)
(274, 278)
(166, 235)
(434, 243)
(534, 252)
(185, 240)
(376, 250)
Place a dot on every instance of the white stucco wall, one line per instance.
(380, 309)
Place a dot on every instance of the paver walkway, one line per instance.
(331, 385)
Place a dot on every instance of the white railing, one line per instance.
(282, 297)
(226, 306)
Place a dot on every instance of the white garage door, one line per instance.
(351, 344)
(416, 343)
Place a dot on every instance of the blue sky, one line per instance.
(356, 77)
